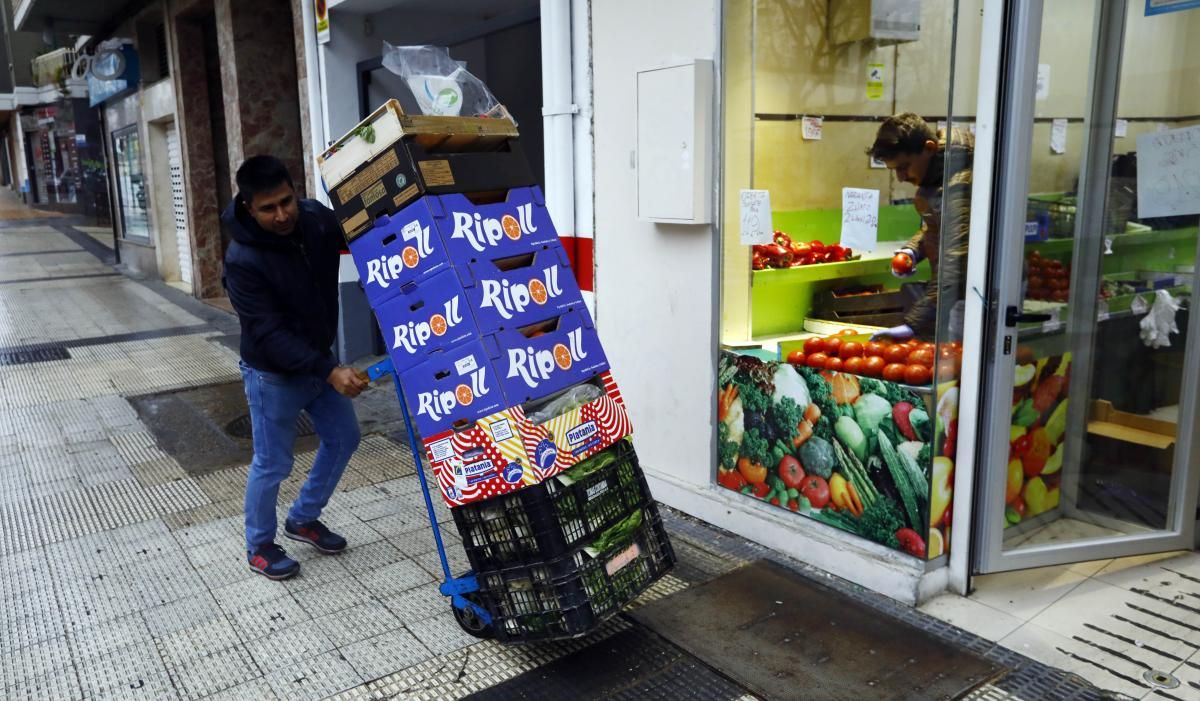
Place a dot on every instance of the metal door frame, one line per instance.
(1015, 124)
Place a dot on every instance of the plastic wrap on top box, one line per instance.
(453, 386)
(426, 317)
(544, 358)
(524, 445)
(473, 232)
(513, 292)
(398, 251)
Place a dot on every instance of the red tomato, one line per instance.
(874, 349)
(796, 357)
(921, 356)
(833, 363)
(896, 354)
(854, 365)
(847, 332)
(902, 264)
(833, 344)
(873, 367)
(814, 345)
(816, 490)
(851, 349)
(917, 375)
(931, 347)
(894, 372)
(817, 360)
(948, 368)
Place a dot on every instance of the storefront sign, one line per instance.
(1168, 182)
(1159, 7)
(755, 215)
(874, 81)
(860, 218)
(322, 17)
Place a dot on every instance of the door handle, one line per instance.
(1014, 316)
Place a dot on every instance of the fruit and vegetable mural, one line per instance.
(851, 451)
(1039, 422)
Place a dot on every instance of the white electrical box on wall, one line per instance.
(881, 21)
(674, 143)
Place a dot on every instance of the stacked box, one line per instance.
(485, 323)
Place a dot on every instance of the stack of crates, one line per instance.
(501, 368)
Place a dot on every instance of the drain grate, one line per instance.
(241, 428)
(34, 355)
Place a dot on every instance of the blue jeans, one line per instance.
(275, 403)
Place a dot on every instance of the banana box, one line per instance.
(521, 446)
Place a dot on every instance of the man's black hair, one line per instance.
(260, 174)
(904, 133)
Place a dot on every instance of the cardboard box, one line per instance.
(510, 293)
(455, 386)
(408, 169)
(387, 125)
(476, 232)
(424, 318)
(505, 451)
(544, 358)
(397, 252)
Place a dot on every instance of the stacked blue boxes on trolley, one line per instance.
(501, 368)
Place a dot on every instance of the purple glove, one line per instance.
(903, 332)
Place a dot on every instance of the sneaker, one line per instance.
(315, 534)
(272, 562)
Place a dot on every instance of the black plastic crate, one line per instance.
(571, 595)
(546, 520)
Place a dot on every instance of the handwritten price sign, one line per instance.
(1168, 182)
(860, 218)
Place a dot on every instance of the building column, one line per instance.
(257, 42)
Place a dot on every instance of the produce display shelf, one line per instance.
(1159, 236)
(877, 261)
(1119, 307)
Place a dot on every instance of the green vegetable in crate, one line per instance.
(817, 457)
(619, 535)
(594, 464)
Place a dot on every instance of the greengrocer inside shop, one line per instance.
(957, 247)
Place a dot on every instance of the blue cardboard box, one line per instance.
(399, 250)
(474, 232)
(429, 316)
(457, 384)
(513, 292)
(543, 358)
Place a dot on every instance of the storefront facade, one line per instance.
(1053, 454)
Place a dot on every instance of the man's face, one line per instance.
(911, 167)
(276, 211)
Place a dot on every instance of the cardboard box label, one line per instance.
(372, 173)
(436, 173)
(405, 195)
(374, 193)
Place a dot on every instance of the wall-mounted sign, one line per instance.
(1159, 7)
(322, 16)
(113, 70)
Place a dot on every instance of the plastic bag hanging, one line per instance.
(440, 85)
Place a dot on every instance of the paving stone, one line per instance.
(315, 678)
(219, 671)
(358, 623)
(376, 657)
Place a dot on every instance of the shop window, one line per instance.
(846, 142)
(131, 185)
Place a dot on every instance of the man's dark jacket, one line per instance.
(285, 290)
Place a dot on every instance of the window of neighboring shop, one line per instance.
(131, 185)
(816, 416)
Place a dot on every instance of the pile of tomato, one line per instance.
(911, 362)
(1049, 280)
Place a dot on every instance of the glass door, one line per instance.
(1092, 371)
